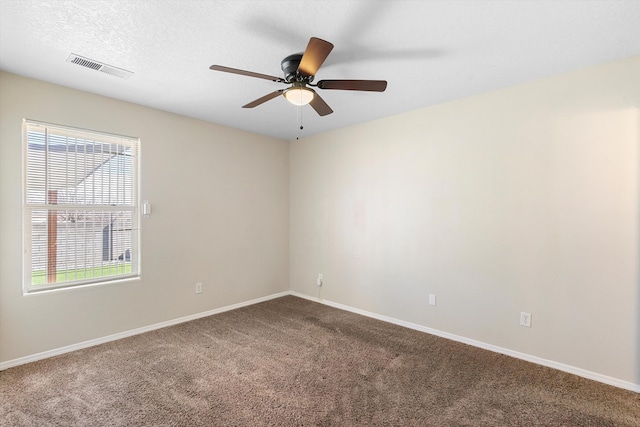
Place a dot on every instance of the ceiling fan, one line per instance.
(299, 71)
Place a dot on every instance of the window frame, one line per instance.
(29, 208)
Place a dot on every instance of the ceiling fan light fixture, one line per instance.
(298, 95)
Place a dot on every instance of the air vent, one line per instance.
(99, 66)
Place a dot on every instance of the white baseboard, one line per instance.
(55, 352)
(529, 358)
(518, 355)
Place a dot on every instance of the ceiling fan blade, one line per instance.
(246, 73)
(364, 85)
(319, 105)
(263, 99)
(314, 55)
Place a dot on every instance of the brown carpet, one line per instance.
(293, 362)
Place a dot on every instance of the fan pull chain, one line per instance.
(301, 127)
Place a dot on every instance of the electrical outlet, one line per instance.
(319, 281)
(432, 299)
(198, 288)
(525, 319)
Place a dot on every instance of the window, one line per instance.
(80, 207)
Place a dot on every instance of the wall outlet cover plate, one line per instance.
(525, 319)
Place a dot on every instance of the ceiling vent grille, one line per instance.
(99, 66)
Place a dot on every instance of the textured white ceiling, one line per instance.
(429, 51)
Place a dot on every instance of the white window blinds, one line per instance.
(81, 199)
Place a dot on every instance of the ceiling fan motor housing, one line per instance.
(290, 66)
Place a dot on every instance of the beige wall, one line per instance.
(220, 217)
(522, 199)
